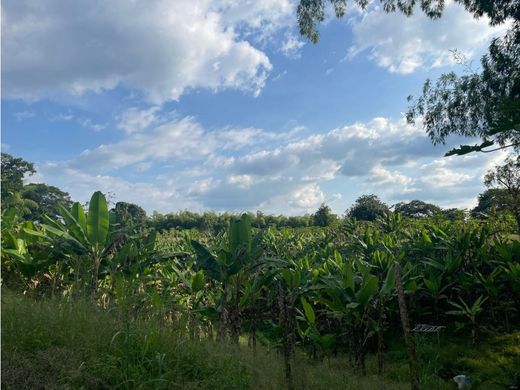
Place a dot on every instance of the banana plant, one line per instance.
(347, 291)
(470, 313)
(26, 247)
(230, 266)
(85, 235)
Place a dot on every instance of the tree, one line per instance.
(312, 12)
(507, 176)
(454, 214)
(367, 208)
(14, 170)
(46, 199)
(129, 214)
(323, 216)
(485, 104)
(492, 199)
(417, 208)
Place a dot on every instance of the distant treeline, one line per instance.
(34, 201)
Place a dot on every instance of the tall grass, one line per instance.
(55, 344)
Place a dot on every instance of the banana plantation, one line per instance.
(351, 298)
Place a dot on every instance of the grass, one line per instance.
(51, 344)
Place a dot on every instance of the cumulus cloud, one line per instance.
(286, 173)
(404, 45)
(158, 47)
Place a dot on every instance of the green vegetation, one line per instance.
(110, 302)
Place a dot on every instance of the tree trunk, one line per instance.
(380, 341)
(284, 321)
(234, 314)
(223, 318)
(410, 346)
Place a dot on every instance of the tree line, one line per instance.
(34, 200)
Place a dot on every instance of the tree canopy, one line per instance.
(492, 199)
(310, 13)
(367, 208)
(507, 176)
(484, 103)
(417, 208)
(323, 216)
(46, 198)
(14, 170)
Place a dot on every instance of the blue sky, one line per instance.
(221, 105)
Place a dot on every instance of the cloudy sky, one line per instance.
(221, 105)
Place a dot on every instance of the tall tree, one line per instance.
(323, 216)
(492, 199)
(367, 208)
(14, 170)
(46, 199)
(129, 214)
(483, 104)
(417, 208)
(311, 13)
(507, 176)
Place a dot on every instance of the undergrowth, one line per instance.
(53, 344)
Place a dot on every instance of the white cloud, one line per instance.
(159, 47)
(81, 185)
(404, 45)
(183, 139)
(134, 120)
(290, 173)
(87, 123)
(23, 115)
(292, 46)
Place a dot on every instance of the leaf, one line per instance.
(78, 214)
(239, 234)
(73, 226)
(309, 311)
(197, 281)
(389, 282)
(97, 220)
(206, 260)
(368, 289)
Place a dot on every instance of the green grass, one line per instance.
(52, 344)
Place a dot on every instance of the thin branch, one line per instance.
(502, 147)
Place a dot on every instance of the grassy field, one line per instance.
(51, 344)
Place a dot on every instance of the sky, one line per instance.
(222, 105)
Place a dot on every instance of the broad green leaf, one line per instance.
(197, 281)
(239, 233)
(73, 227)
(368, 289)
(389, 282)
(79, 215)
(206, 260)
(97, 220)
(309, 312)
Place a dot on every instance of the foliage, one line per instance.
(14, 170)
(507, 176)
(323, 216)
(491, 200)
(367, 208)
(46, 198)
(312, 12)
(485, 104)
(129, 214)
(417, 208)
(316, 290)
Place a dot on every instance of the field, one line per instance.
(92, 302)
